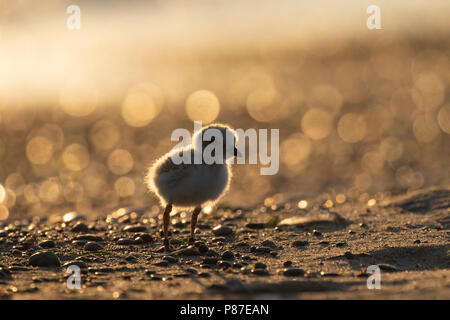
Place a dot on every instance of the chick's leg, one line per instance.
(166, 219)
(194, 217)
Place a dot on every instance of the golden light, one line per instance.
(142, 104)
(371, 202)
(2, 193)
(425, 128)
(39, 150)
(261, 105)
(207, 209)
(120, 162)
(295, 149)
(104, 134)
(352, 127)
(4, 212)
(326, 97)
(302, 204)
(340, 198)
(78, 98)
(76, 157)
(444, 118)
(317, 123)
(391, 149)
(202, 105)
(124, 187)
(49, 190)
(428, 91)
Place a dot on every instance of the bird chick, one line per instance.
(193, 183)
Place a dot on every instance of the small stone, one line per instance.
(363, 225)
(255, 226)
(222, 230)
(341, 244)
(135, 229)
(92, 246)
(260, 272)
(349, 255)
(228, 255)
(44, 259)
(416, 241)
(125, 242)
(263, 250)
(300, 243)
(170, 259)
(387, 267)
(260, 265)
(210, 260)
(287, 263)
(293, 272)
(317, 233)
(203, 248)
(245, 270)
(79, 243)
(192, 270)
(187, 252)
(268, 243)
(211, 253)
(80, 227)
(89, 237)
(47, 244)
(204, 275)
(237, 265)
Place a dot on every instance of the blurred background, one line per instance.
(362, 113)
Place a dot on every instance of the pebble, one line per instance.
(222, 231)
(263, 250)
(204, 275)
(255, 226)
(192, 270)
(228, 255)
(349, 255)
(211, 253)
(44, 259)
(317, 233)
(268, 243)
(260, 265)
(80, 227)
(287, 263)
(92, 246)
(300, 243)
(135, 229)
(203, 248)
(47, 244)
(210, 260)
(125, 242)
(387, 267)
(293, 272)
(89, 237)
(144, 238)
(170, 259)
(260, 272)
(416, 241)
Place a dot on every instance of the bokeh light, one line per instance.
(124, 187)
(202, 105)
(78, 98)
(39, 150)
(76, 157)
(142, 104)
(352, 127)
(317, 123)
(120, 162)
